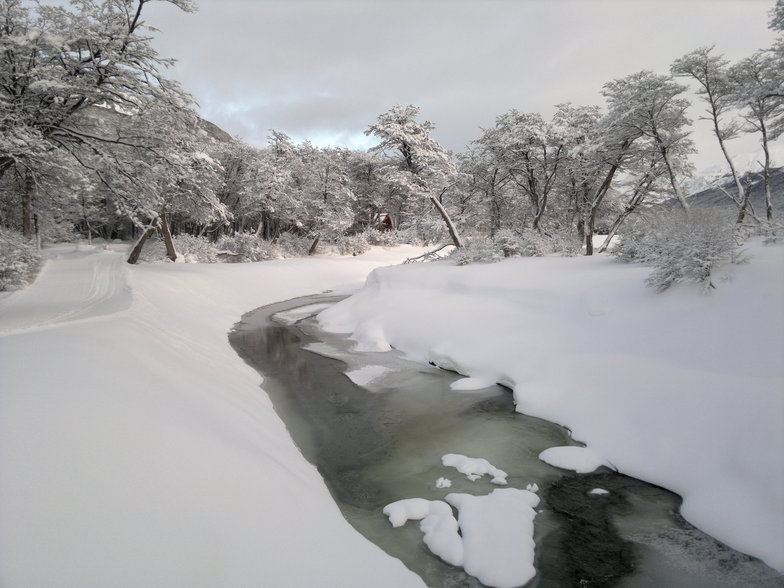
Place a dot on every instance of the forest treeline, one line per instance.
(96, 141)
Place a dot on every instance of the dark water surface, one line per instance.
(383, 442)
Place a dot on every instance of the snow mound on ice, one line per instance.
(474, 467)
(438, 525)
(443, 483)
(578, 459)
(497, 532)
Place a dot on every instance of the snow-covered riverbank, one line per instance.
(681, 389)
(136, 448)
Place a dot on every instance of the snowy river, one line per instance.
(376, 426)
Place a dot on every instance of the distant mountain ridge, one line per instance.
(714, 197)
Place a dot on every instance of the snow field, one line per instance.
(680, 389)
(136, 448)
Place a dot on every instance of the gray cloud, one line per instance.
(324, 69)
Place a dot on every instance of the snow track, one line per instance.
(74, 284)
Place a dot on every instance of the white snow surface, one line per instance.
(497, 532)
(582, 460)
(438, 525)
(443, 483)
(474, 467)
(681, 389)
(136, 447)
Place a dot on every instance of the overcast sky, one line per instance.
(323, 70)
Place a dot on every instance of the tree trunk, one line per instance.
(676, 187)
(743, 197)
(312, 250)
(637, 197)
(133, 257)
(167, 238)
(594, 202)
(86, 221)
(456, 240)
(766, 173)
(27, 204)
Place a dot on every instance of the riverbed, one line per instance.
(379, 435)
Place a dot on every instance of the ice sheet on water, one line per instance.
(289, 317)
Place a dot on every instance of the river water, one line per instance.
(383, 441)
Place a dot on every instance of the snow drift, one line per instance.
(680, 389)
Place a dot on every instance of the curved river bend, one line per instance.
(382, 442)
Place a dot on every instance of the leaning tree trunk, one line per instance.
(167, 238)
(133, 257)
(456, 240)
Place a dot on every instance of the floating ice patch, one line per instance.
(471, 384)
(598, 492)
(443, 483)
(532, 487)
(474, 467)
(438, 525)
(289, 317)
(578, 459)
(497, 532)
(367, 374)
(410, 509)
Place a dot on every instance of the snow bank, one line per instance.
(680, 389)
(577, 459)
(136, 448)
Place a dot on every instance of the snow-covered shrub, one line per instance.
(479, 249)
(248, 247)
(19, 260)
(681, 247)
(771, 231)
(293, 245)
(424, 230)
(195, 249)
(351, 244)
(508, 243)
(58, 232)
(382, 238)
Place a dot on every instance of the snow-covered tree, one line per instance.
(531, 151)
(711, 72)
(65, 74)
(758, 81)
(419, 166)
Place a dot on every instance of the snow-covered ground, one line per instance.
(136, 448)
(681, 389)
